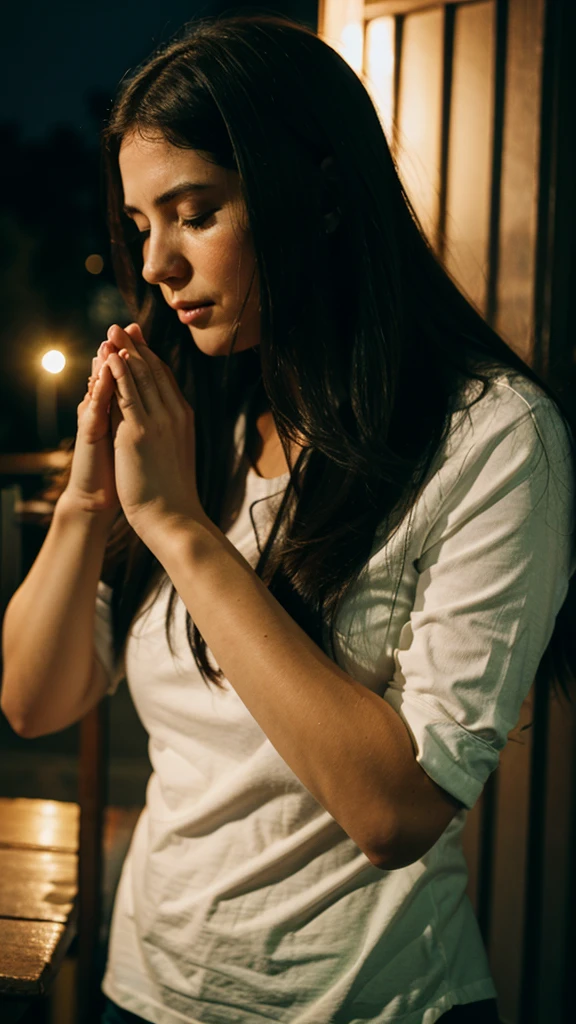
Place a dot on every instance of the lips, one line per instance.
(191, 305)
(192, 314)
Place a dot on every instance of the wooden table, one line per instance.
(38, 890)
(25, 463)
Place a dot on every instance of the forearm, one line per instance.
(48, 628)
(346, 745)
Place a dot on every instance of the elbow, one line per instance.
(417, 827)
(399, 850)
(392, 860)
(19, 725)
(388, 852)
(17, 721)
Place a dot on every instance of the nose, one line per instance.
(162, 259)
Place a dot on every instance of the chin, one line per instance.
(218, 346)
(209, 346)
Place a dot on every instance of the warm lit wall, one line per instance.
(405, 74)
(480, 122)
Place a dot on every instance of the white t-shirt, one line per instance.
(241, 899)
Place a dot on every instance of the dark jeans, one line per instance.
(483, 1012)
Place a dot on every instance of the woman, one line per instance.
(362, 535)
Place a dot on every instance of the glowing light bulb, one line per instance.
(53, 361)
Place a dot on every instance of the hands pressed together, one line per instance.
(153, 436)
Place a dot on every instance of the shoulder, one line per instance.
(507, 447)
(514, 408)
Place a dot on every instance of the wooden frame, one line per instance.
(380, 8)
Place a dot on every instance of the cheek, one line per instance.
(231, 260)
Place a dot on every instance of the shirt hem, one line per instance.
(157, 1014)
(147, 1008)
(472, 993)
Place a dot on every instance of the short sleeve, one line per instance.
(493, 575)
(103, 635)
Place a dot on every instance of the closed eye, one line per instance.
(189, 222)
(197, 222)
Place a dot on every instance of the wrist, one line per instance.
(99, 521)
(180, 534)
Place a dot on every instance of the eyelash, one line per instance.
(189, 222)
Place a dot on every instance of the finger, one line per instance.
(169, 395)
(135, 332)
(101, 356)
(92, 379)
(103, 387)
(143, 374)
(127, 393)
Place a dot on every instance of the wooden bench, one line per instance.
(46, 901)
(38, 897)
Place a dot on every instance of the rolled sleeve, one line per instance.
(493, 575)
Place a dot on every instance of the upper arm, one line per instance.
(51, 721)
(492, 577)
(103, 677)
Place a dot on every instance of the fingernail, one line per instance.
(94, 361)
(111, 328)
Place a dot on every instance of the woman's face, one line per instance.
(211, 262)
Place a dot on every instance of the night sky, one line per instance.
(53, 54)
(60, 65)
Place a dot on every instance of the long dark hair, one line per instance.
(366, 364)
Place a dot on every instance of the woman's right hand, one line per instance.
(91, 487)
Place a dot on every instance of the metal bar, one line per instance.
(497, 143)
(382, 8)
(554, 301)
(553, 354)
(398, 36)
(10, 544)
(535, 859)
(569, 998)
(486, 856)
(321, 16)
(448, 62)
(93, 798)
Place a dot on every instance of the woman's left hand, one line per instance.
(154, 439)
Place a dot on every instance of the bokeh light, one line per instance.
(94, 263)
(53, 361)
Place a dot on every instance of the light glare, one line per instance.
(53, 361)
(352, 45)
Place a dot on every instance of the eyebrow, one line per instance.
(173, 193)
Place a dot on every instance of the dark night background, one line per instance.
(59, 67)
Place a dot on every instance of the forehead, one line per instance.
(150, 166)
